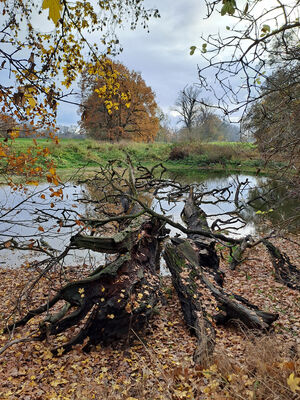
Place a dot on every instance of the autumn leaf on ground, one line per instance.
(54, 9)
(293, 382)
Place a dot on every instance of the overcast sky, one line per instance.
(162, 55)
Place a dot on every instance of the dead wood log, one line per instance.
(237, 252)
(191, 262)
(114, 300)
(195, 218)
(285, 271)
(121, 242)
(184, 282)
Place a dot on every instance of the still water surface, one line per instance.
(29, 215)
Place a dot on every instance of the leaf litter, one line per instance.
(158, 362)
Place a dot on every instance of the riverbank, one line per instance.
(158, 362)
(71, 154)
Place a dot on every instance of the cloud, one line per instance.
(162, 55)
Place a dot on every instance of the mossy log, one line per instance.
(113, 300)
(121, 242)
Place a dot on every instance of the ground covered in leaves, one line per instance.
(158, 363)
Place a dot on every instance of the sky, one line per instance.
(162, 55)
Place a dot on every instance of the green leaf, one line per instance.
(192, 50)
(228, 7)
(224, 9)
(266, 28)
(54, 9)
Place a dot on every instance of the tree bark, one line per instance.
(285, 271)
(192, 263)
(114, 299)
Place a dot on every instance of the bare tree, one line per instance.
(238, 61)
(187, 105)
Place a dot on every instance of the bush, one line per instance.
(178, 153)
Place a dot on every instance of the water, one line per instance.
(35, 214)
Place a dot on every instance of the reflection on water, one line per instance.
(37, 214)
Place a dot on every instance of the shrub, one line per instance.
(178, 153)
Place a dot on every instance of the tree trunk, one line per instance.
(192, 262)
(115, 298)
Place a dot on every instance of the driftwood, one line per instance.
(193, 262)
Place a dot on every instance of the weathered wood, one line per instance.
(238, 252)
(181, 259)
(195, 218)
(117, 298)
(191, 262)
(121, 242)
(285, 271)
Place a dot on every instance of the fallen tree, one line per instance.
(118, 297)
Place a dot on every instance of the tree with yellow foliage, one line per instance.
(41, 58)
(129, 114)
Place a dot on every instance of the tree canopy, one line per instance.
(129, 114)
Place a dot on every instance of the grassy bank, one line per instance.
(74, 153)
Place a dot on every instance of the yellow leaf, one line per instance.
(60, 351)
(35, 183)
(31, 101)
(110, 316)
(293, 382)
(54, 9)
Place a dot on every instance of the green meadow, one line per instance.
(71, 154)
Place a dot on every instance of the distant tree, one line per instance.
(129, 114)
(187, 106)
(200, 122)
(71, 131)
(166, 132)
(210, 128)
(7, 125)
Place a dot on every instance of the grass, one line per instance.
(218, 156)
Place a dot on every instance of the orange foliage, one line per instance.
(129, 114)
(27, 163)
